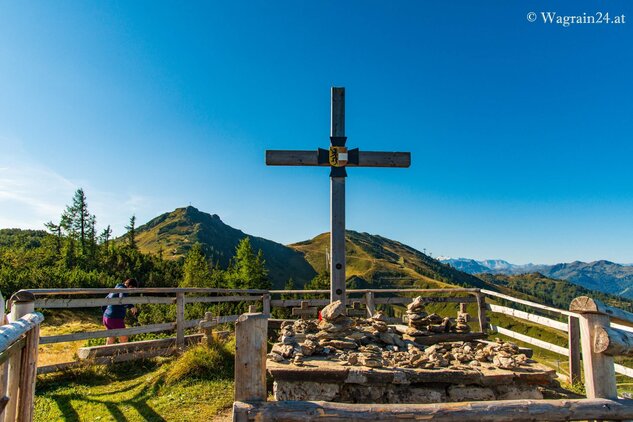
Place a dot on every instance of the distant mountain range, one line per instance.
(605, 276)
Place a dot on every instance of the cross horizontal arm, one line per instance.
(292, 158)
(311, 158)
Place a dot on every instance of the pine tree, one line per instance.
(104, 238)
(196, 272)
(56, 230)
(131, 233)
(247, 270)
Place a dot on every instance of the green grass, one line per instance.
(159, 390)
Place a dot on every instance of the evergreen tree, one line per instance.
(104, 238)
(131, 233)
(76, 220)
(247, 269)
(196, 272)
(56, 230)
(320, 282)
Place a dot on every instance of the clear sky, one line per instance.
(521, 133)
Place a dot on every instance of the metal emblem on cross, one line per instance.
(338, 157)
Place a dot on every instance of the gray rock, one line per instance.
(333, 310)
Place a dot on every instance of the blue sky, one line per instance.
(520, 132)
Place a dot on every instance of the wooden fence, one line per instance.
(600, 341)
(565, 322)
(18, 361)
(180, 297)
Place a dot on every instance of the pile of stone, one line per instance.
(423, 324)
(371, 342)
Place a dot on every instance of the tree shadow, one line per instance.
(138, 402)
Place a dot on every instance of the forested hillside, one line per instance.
(73, 254)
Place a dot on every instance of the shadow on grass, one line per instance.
(138, 402)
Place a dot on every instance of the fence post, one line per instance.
(251, 333)
(573, 333)
(369, 304)
(23, 303)
(599, 368)
(266, 304)
(481, 312)
(207, 330)
(180, 320)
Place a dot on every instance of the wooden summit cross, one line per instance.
(337, 158)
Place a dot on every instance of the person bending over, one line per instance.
(114, 315)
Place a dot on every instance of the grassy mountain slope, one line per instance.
(539, 288)
(381, 262)
(174, 233)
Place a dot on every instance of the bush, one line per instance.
(201, 362)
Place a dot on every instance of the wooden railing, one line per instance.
(565, 322)
(84, 298)
(18, 361)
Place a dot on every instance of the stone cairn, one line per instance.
(422, 324)
(372, 343)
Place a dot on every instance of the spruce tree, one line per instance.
(131, 232)
(248, 270)
(196, 272)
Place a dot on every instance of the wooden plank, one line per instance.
(10, 333)
(139, 290)
(451, 290)
(151, 328)
(28, 373)
(106, 360)
(337, 205)
(311, 158)
(528, 303)
(266, 304)
(52, 303)
(613, 342)
(585, 304)
(598, 368)
(292, 158)
(15, 368)
(621, 327)
(286, 303)
(180, 320)
(624, 370)
(485, 411)
(370, 304)
(382, 159)
(4, 385)
(222, 319)
(13, 349)
(134, 347)
(337, 240)
(251, 335)
(573, 344)
(405, 300)
(218, 299)
(530, 340)
(481, 312)
(537, 319)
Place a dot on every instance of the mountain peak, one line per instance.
(174, 233)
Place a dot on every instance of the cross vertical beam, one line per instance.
(337, 206)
